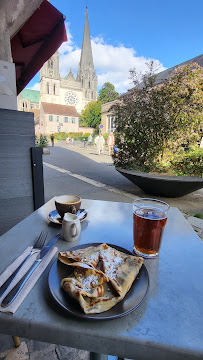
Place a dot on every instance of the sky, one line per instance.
(126, 34)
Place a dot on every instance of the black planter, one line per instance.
(163, 185)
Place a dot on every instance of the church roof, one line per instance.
(70, 76)
(36, 113)
(32, 95)
(56, 109)
(163, 75)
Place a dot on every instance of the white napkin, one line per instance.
(11, 309)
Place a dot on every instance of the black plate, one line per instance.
(132, 300)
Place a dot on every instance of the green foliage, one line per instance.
(107, 93)
(154, 122)
(82, 138)
(60, 136)
(95, 133)
(91, 115)
(189, 164)
(79, 136)
(198, 215)
(42, 141)
(63, 135)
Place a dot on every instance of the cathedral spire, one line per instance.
(86, 59)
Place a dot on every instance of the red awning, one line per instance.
(36, 42)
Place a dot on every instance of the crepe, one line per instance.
(89, 256)
(102, 276)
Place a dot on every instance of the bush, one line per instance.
(63, 135)
(189, 164)
(60, 136)
(81, 138)
(95, 133)
(154, 124)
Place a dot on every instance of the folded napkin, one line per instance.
(11, 309)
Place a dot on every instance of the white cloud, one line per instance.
(112, 63)
(36, 86)
(69, 60)
(69, 55)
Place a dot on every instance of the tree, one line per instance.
(153, 122)
(107, 93)
(91, 115)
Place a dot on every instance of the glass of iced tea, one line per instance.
(149, 219)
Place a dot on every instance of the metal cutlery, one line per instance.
(36, 248)
(15, 291)
(81, 214)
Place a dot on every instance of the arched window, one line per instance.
(50, 64)
(92, 95)
(89, 85)
(54, 89)
(82, 82)
(47, 88)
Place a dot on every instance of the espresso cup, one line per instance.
(67, 203)
(70, 227)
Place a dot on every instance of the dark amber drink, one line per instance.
(149, 219)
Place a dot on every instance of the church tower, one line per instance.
(68, 90)
(50, 80)
(86, 73)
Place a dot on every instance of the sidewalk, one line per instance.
(89, 151)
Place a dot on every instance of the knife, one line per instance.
(15, 291)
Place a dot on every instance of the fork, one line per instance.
(36, 248)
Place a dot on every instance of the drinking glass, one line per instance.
(149, 219)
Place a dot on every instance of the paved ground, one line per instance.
(34, 350)
(107, 176)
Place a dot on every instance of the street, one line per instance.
(80, 170)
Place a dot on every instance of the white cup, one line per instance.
(70, 227)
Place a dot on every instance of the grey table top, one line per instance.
(167, 325)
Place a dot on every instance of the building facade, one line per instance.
(108, 117)
(58, 118)
(66, 92)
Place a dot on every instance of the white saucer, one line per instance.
(55, 218)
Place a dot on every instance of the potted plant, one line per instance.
(43, 142)
(158, 132)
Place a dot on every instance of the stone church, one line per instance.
(60, 100)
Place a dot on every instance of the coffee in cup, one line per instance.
(67, 203)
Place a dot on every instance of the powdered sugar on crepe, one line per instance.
(99, 288)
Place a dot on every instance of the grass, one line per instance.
(198, 215)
